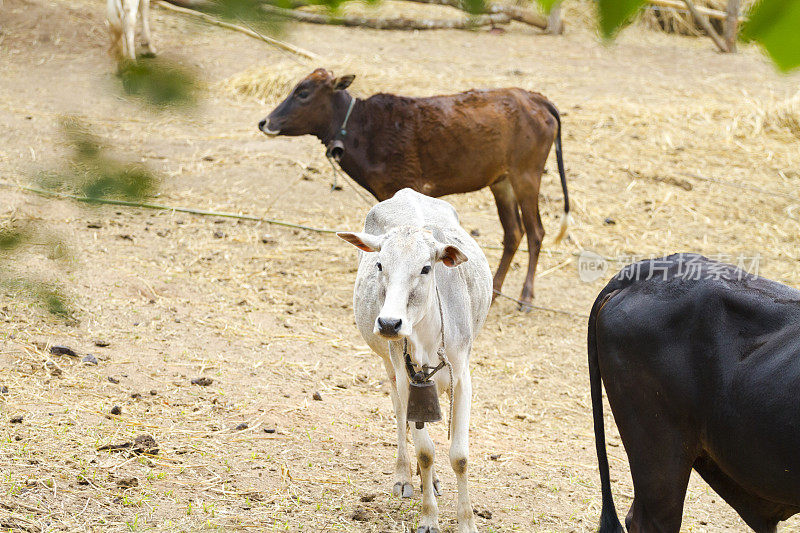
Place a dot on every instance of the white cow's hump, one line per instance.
(410, 208)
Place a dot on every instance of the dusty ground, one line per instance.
(265, 311)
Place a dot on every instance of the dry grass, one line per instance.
(265, 311)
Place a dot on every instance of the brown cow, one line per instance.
(438, 145)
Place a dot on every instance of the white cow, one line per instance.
(122, 27)
(417, 261)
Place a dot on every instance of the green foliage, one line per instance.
(159, 83)
(53, 300)
(11, 238)
(775, 24)
(474, 7)
(44, 294)
(547, 5)
(614, 14)
(96, 175)
(89, 171)
(249, 12)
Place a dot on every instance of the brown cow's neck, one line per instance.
(354, 161)
(341, 103)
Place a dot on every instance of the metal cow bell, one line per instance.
(423, 402)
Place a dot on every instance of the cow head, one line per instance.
(403, 267)
(310, 107)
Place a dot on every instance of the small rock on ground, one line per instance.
(127, 482)
(483, 513)
(203, 381)
(145, 444)
(62, 350)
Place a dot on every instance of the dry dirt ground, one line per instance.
(265, 311)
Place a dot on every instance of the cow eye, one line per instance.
(303, 94)
(426, 269)
(380, 267)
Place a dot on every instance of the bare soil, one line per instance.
(265, 311)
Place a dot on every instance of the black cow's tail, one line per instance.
(567, 218)
(609, 523)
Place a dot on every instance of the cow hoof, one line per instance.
(427, 529)
(437, 488)
(403, 490)
(525, 307)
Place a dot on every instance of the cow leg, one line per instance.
(508, 211)
(761, 515)
(144, 8)
(661, 462)
(423, 444)
(402, 471)
(459, 447)
(115, 35)
(526, 190)
(437, 486)
(129, 9)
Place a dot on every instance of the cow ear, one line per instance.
(343, 82)
(450, 255)
(363, 241)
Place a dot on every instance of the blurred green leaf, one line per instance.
(11, 238)
(775, 24)
(616, 13)
(91, 172)
(159, 83)
(41, 293)
(474, 7)
(54, 301)
(250, 13)
(547, 5)
(114, 181)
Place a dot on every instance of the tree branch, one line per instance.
(168, 4)
(703, 21)
(398, 23)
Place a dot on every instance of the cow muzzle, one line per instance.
(389, 327)
(265, 129)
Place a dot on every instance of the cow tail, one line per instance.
(609, 523)
(567, 218)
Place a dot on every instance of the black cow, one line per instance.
(701, 364)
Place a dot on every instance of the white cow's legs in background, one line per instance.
(148, 39)
(423, 444)
(129, 9)
(459, 448)
(402, 472)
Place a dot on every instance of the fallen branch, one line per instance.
(520, 15)
(159, 207)
(706, 24)
(732, 24)
(678, 4)
(211, 20)
(512, 12)
(399, 23)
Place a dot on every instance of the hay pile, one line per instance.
(271, 83)
(265, 84)
(785, 115)
(780, 117)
